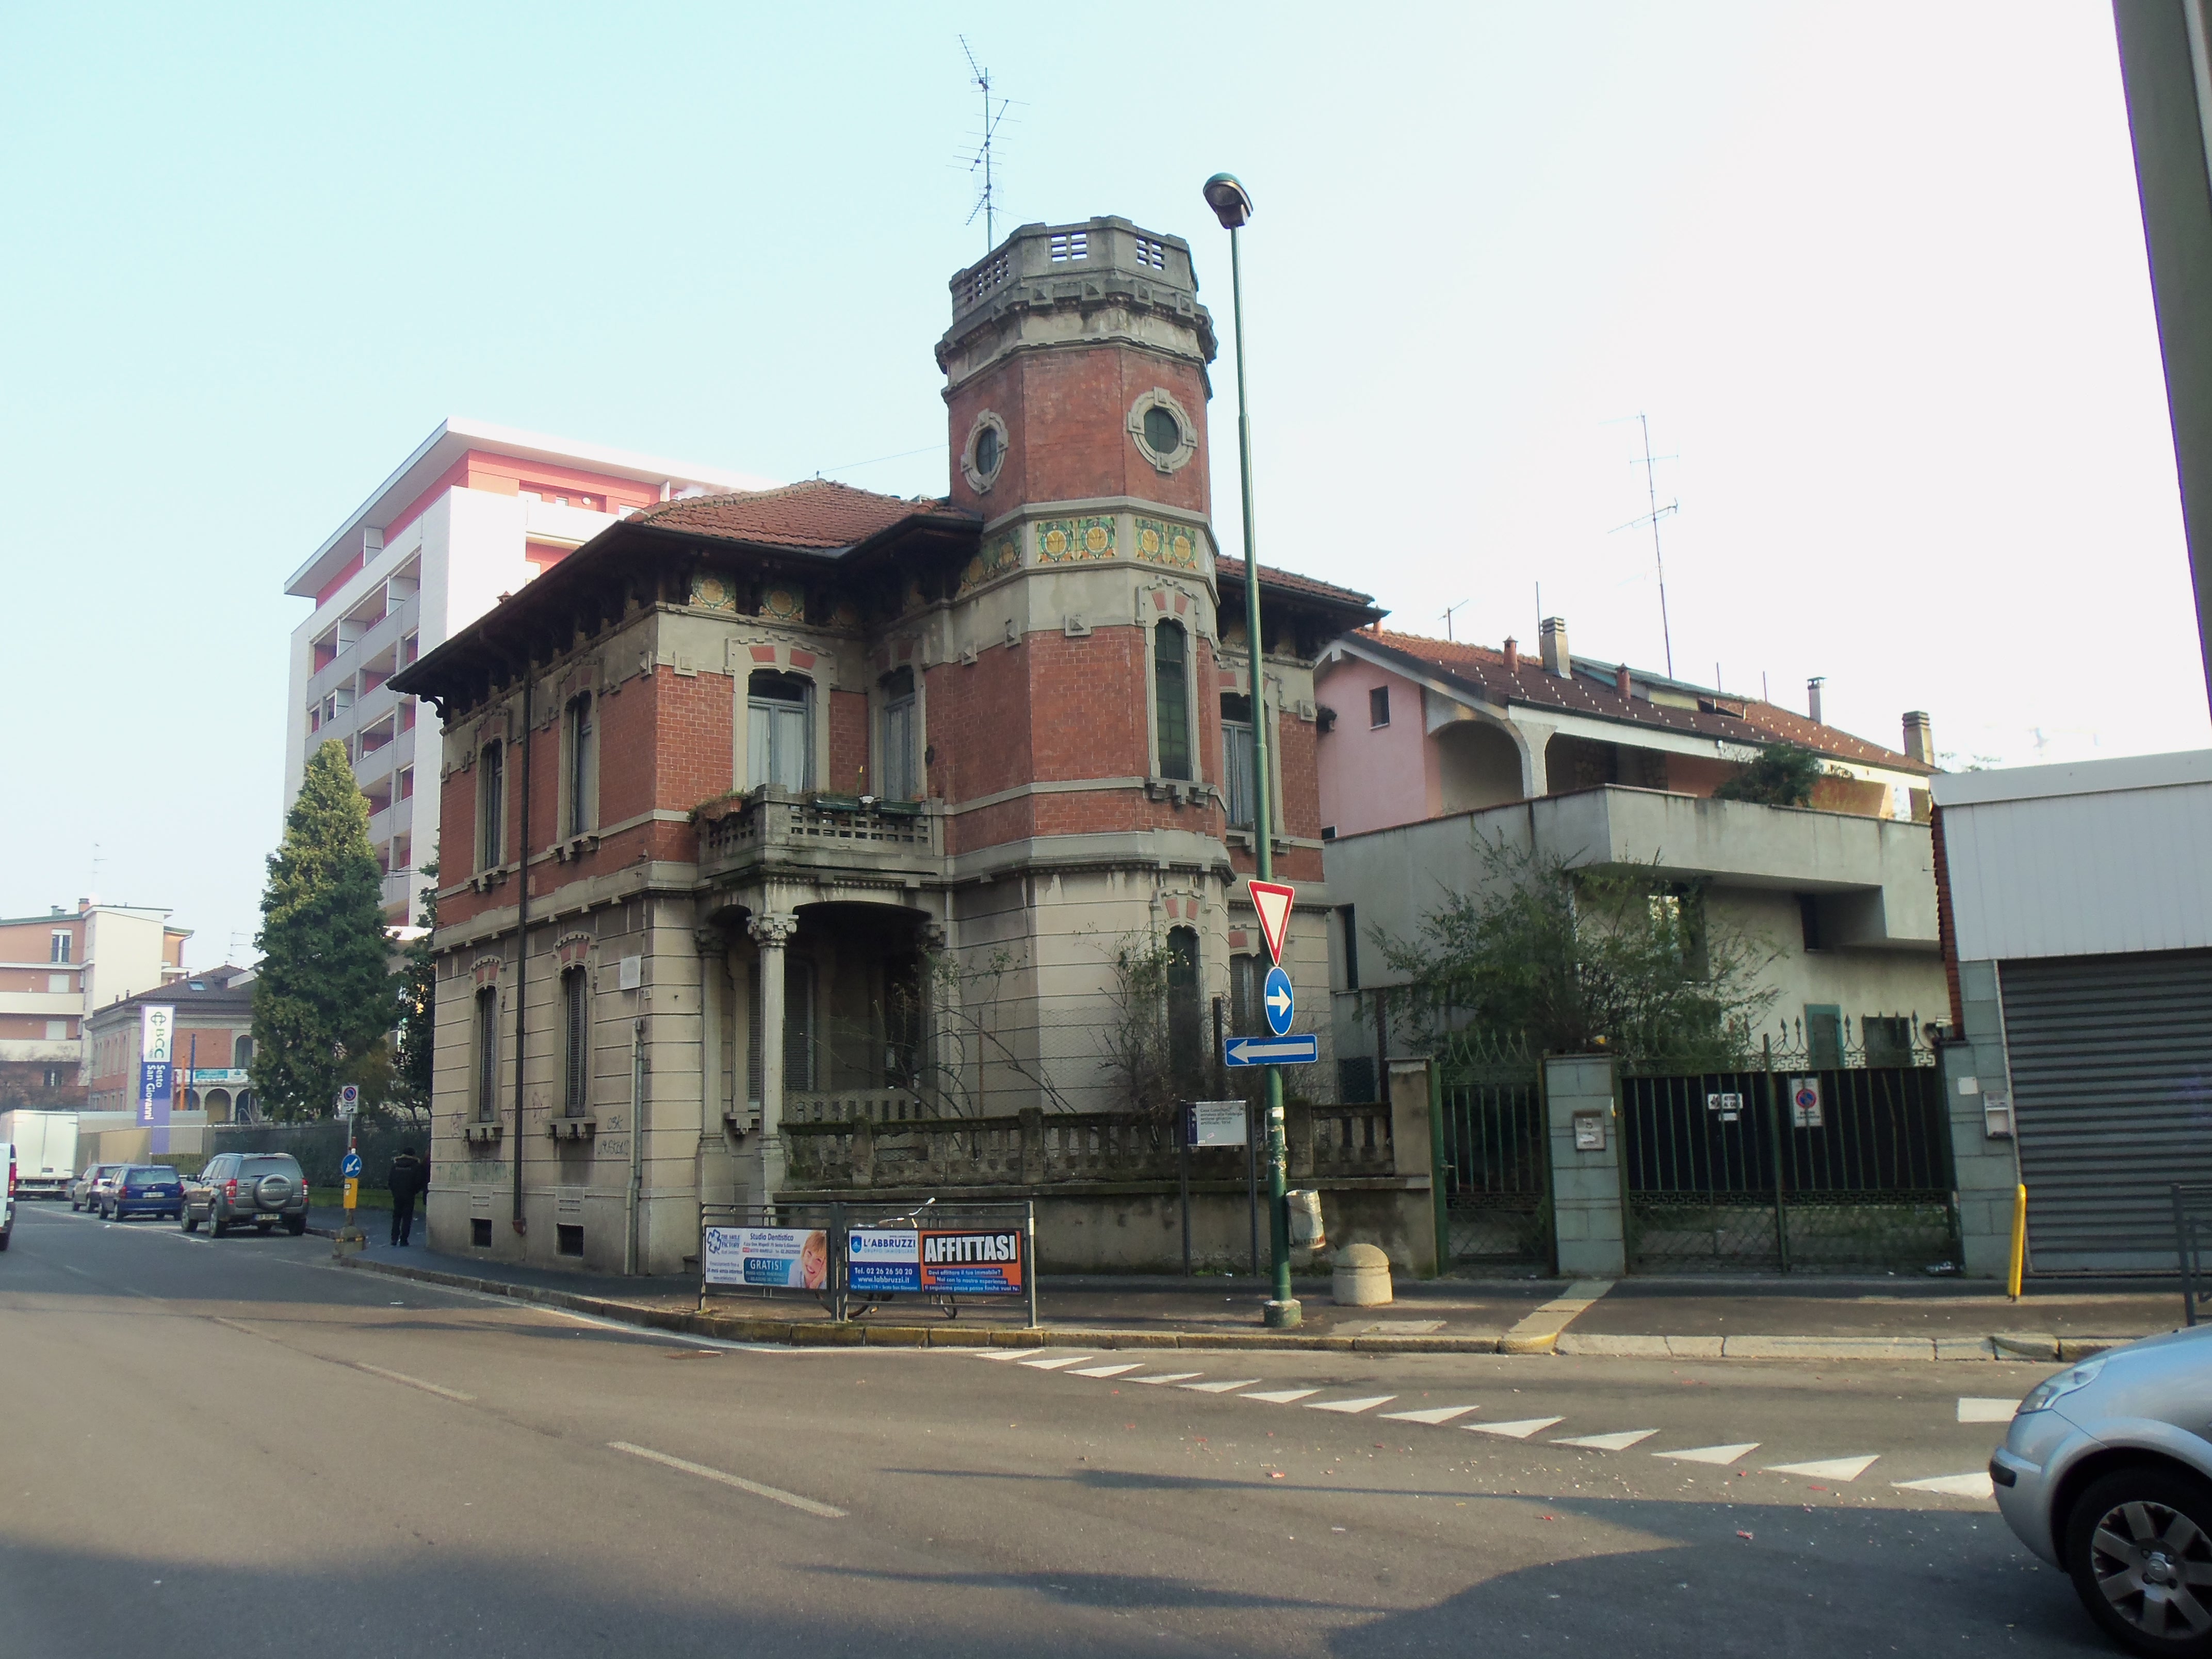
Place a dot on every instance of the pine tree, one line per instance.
(323, 1001)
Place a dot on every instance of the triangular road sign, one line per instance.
(1273, 899)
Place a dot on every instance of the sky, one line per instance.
(1874, 273)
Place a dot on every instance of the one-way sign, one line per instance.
(1271, 1050)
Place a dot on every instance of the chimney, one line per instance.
(1622, 683)
(1552, 637)
(1812, 698)
(1512, 655)
(1919, 738)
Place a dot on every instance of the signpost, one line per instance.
(350, 1169)
(350, 1101)
(1805, 1103)
(1271, 901)
(1279, 1000)
(1272, 1051)
(1215, 1123)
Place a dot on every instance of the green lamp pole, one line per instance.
(1233, 207)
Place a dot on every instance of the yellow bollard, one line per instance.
(2019, 1242)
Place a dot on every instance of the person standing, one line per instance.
(406, 1179)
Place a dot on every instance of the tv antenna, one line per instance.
(1449, 609)
(1651, 491)
(987, 198)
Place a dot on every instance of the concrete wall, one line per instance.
(1586, 1201)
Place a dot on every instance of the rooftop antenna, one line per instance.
(1651, 491)
(987, 200)
(1449, 609)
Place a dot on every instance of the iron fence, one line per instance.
(2193, 1241)
(1496, 1167)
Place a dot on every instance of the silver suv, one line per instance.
(247, 1190)
(2107, 1474)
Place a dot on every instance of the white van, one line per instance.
(8, 1202)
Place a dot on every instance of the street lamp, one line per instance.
(1233, 207)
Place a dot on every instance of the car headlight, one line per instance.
(2053, 1389)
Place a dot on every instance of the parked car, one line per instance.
(145, 1189)
(7, 1197)
(247, 1190)
(2106, 1473)
(90, 1190)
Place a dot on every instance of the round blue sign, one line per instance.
(351, 1166)
(1281, 1005)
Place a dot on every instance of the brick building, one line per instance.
(56, 971)
(810, 802)
(214, 1043)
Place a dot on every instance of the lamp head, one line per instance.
(1230, 202)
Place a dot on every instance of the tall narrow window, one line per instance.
(1351, 947)
(1172, 697)
(241, 1052)
(799, 1068)
(1237, 779)
(1378, 706)
(575, 1043)
(1186, 1031)
(780, 731)
(1247, 974)
(58, 949)
(898, 776)
(583, 766)
(1824, 1036)
(488, 1055)
(491, 805)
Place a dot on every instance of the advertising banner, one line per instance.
(156, 1036)
(972, 1261)
(794, 1258)
(883, 1259)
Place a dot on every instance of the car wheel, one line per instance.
(297, 1226)
(186, 1220)
(76, 1206)
(4, 1238)
(216, 1226)
(2138, 1544)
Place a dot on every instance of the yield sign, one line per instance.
(1271, 899)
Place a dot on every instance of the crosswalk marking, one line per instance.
(1350, 1407)
(1056, 1362)
(1620, 1442)
(1168, 1377)
(1280, 1396)
(1433, 1414)
(1107, 1370)
(1973, 1410)
(999, 1354)
(1831, 1468)
(1977, 1484)
(1520, 1431)
(1711, 1454)
(1220, 1387)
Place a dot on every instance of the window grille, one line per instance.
(488, 1055)
(576, 1041)
(1070, 245)
(1151, 254)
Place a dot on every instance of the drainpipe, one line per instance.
(522, 951)
(636, 1146)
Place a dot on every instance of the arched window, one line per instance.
(1186, 1019)
(491, 805)
(575, 1042)
(241, 1052)
(780, 731)
(579, 780)
(1171, 698)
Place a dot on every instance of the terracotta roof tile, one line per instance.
(1228, 569)
(818, 513)
(1530, 683)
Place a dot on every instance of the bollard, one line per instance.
(2019, 1242)
(1361, 1278)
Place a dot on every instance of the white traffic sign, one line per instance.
(1273, 901)
(1271, 1051)
(1214, 1123)
(1278, 1001)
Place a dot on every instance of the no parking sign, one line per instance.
(1805, 1103)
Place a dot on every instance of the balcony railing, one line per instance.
(771, 828)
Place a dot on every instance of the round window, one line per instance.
(1163, 432)
(986, 451)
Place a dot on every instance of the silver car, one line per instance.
(2106, 1473)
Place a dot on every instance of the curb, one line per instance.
(820, 1333)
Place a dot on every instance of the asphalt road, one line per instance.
(221, 1448)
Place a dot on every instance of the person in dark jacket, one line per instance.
(408, 1177)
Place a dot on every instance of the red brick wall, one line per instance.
(694, 740)
(848, 744)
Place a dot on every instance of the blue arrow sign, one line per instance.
(1271, 1051)
(350, 1169)
(1278, 1001)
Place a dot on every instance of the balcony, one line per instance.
(775, 829)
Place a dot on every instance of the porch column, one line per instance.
(712, 951)
(771, 932)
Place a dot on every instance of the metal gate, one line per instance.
(2112, 1081)
(1497, 1167)
(1789, 1169)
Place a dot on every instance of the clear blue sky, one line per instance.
(1875, 272)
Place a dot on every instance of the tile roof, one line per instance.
(1531, 682)
(1228, 569)
(818, 513)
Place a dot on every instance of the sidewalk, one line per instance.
(1708, 1317)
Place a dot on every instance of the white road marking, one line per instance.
(1107, 1370)
(775, 1494)
(1620, 1442)
(1977, 1484)
(1168, 1377)
(1711, 1454)
(412, 1382)
(998, 1353)
(1971, 1410)
(1520, 1431)
(1055, 1362)
(1280, 1396)
(1831, 1469)
(1433, 1414)
(1350, 1407)
(1221, 1388)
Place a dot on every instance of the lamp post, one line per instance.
(1233, 207)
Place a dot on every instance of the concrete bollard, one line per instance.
(1361, 1278)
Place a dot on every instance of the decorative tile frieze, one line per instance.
(999, 555)
(711, 592)
(1075, 541)
(784, 604)
(1162, 541)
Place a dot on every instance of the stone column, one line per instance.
(1586, 1202)
(772, 931)
(712, 951)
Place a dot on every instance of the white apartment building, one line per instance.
(473, 515)
(56, 971)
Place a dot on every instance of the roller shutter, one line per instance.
(2112, 1077)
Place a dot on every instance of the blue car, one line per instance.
(145, 1189)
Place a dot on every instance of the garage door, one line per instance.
(2112, 1077)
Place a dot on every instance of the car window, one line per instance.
(257, 1167)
